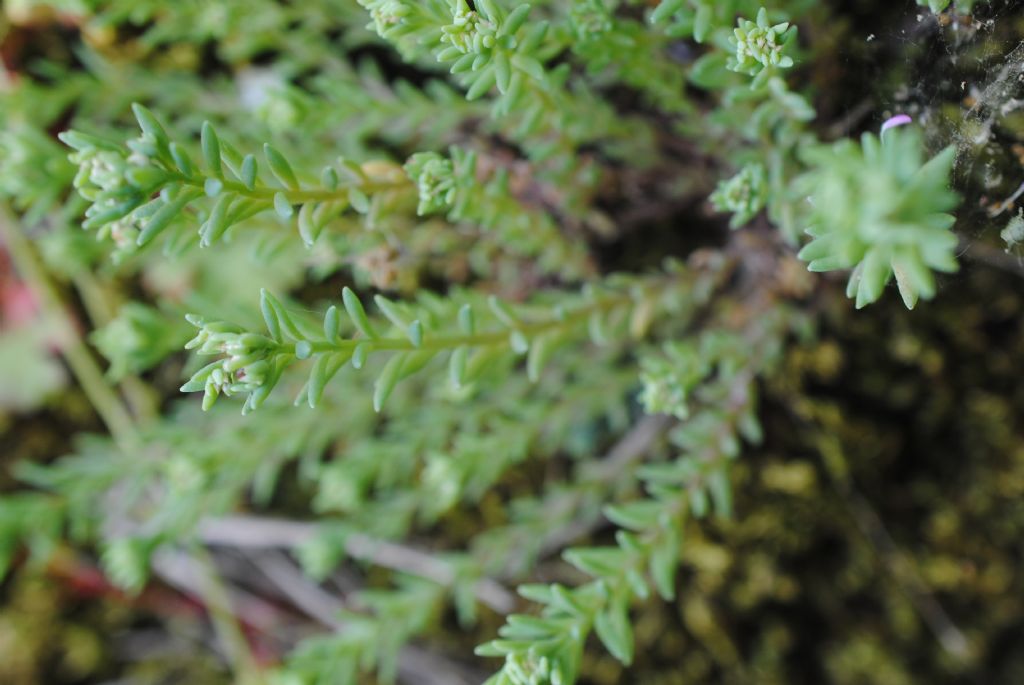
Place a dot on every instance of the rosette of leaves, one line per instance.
(761, 48)
(880, 209)
(436, 181)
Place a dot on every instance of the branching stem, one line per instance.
(73, 348)
(122, 427)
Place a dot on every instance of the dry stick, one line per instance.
(851, 120)
(873, 528)
(633, 446)
(308, 597)
(217, 598)
(117, 419)
(195, 575)
(260, 533)
(991, 256)
(416, 666)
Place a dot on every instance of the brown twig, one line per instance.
(994, 257)
(633, 446)
(248, 532)
(934, 616)
(871, 526)
(416, 666)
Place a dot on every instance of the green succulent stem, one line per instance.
(295, 196)
(252, 364)
(441, 343)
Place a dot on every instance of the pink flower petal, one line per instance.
(898, 120)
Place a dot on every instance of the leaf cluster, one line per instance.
(880, 209)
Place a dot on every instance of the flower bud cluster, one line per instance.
(118, 184)
(744, 195)
(387, 14)
(590, 19)
(469, 32)
(525, 671)
(671, 378)
(760, 46)
(667, 385)
(434, 175)
(246, 367)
